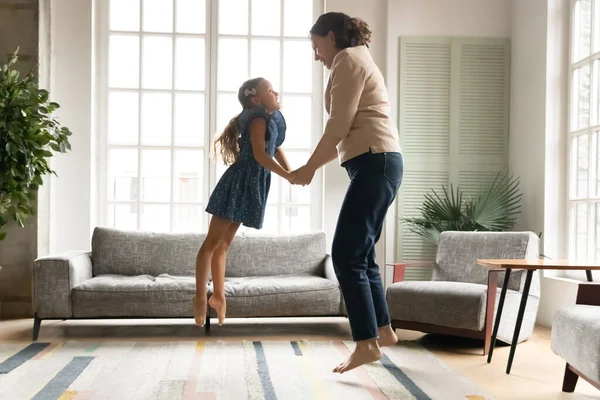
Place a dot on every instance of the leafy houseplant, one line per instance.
(495, 208)
(29, 134)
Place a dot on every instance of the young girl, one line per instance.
(248, 144)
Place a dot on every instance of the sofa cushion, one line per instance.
(276, 296)
(134, 296)
(457, 254)
(265, 255)
(452, 304)
(576, 338)
(138, 253)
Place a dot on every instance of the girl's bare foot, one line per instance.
(387, 336)
(366, 351)
(220, 306)
(199, 307)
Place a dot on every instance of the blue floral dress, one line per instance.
(241, 194)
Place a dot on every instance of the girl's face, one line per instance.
(267, 97)
(324, 48)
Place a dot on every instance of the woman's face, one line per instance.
(324, 48)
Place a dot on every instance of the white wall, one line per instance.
(70, 217)
(528, 108)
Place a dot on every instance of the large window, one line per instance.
(584, 131)
(169, 71)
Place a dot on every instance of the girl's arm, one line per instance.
(282, 159)
(258, 128)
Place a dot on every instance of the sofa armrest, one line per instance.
(588, 294)
(400, 268)
(54, 277)
(329, 270)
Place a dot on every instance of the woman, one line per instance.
(360, 132)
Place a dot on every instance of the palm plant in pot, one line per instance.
(29, 134)
(495, 208)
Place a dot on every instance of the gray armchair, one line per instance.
(576, 337)
(461, 298)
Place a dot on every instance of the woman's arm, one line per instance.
(347, 84)
(258, 128)
(282, 159)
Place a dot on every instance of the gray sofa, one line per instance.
(461, 298)
(151, 275)
(576, 337)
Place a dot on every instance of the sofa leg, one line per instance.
(570, 380)
(37, 323)
(207, 323)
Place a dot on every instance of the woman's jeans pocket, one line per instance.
(393, 169)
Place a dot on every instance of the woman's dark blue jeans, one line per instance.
(374, 182)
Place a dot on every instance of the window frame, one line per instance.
(592, 132)
(100, 104)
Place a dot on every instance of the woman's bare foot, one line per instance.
(387, 336)
(220, 306)
(366, 351)
(199, 307)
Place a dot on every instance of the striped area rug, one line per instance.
(269, 370)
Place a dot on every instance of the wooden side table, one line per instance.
(400, 268)
(530, 267)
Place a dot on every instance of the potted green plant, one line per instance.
(29, 134)
(495, 208)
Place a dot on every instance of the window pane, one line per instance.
(123, 216)
(156, 218)
(188, 218)
(595, 105)
(266, 17)
(156, 118)
(580, 166)
(189, 119)
(233, 63)
(189, 176)
(581, 98)
(265, 55)
(123, 174)
(233, 17)
(158, 15)
(297, 67)
(228, 107)
(297, 18)
(296, 220)
(125, 15)
(273, 197)
(270, 223)
(597, 231)
(190, 64)
(596, 30)
(156, 175)
(582, 29)
(596, 143)
(297, 111)
(580, 225)
(191, 16)
(157, 63)
(123, 118)
(221, 168)
(124, 62)
(296, 194)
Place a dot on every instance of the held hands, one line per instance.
(302, 176)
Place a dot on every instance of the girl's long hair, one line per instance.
(226, 145)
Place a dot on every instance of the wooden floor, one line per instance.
(536, 374)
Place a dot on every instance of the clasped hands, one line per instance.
(302, 176)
